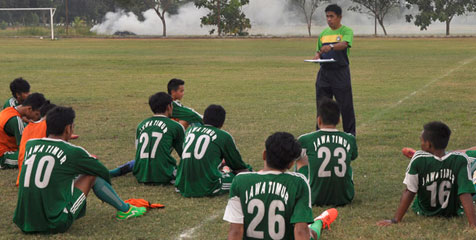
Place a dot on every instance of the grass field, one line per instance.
(398, 85)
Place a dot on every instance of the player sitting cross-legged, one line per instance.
(330, 153)
(155, 138)
(440, 181)
(36, 129)
(51, 194)
(274, 203)
(12, 125)
(20, 90)
(184, 115)
(204, 148)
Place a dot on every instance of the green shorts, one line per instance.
(73, 210)
(225, 184)
(9, 160)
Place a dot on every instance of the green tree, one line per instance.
(227, 15)
(438, 10)
(377, 9)
(308, 8)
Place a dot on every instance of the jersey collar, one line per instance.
(329, 129)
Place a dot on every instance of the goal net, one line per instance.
(11, 21)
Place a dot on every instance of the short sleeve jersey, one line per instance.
(329, 36)
(185, 113)
(47, 181)
(330, 153)
(268, 204)
(204, 148)
(438, 182)
(11, 102)
(155, 138)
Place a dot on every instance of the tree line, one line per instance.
(226, 16)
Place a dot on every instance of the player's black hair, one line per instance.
(329, 111)
(334, 8)
(437, 133)
(158, 102)
(35, 100)
(281, 149)
(57, 119)
(174, 84)
(19, 85)
(214, 115)
(46, 107)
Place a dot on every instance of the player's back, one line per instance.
(204, 148)
(271, 203)
(155, 138)
(46, 182)
(32, 130)
(438, 183)
(330, 153)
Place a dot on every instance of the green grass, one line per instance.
(265, 87)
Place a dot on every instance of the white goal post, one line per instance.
(52, 13)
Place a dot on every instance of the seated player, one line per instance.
(184, 115)
(274, 203)
(441, 181)
(155, 138)
(205, 147)
(330, 153)
(20, 90)
(12, 125)
(47, 200)
(33, 130)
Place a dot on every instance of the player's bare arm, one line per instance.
(467, 202)
(405, 201)
(301, 231)
(236, 231)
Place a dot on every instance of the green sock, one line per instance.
(317, 227)
(106, 193)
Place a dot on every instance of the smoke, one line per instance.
(186, 22)
(274, 17)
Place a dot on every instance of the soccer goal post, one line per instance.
(52, 13)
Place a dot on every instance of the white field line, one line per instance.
(189, 233)
(377, 115)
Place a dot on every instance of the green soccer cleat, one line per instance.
(133, 212)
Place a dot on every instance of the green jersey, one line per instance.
(268, 204)
(12, 102)
(155, 138)
(438, 182)
(45, 196)
(204, 148)
(181, 112)
(329, 36)
(329, 172)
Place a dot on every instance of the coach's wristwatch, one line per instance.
(332, 46)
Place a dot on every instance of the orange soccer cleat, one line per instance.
(327, 217)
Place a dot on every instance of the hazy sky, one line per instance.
(270, 17)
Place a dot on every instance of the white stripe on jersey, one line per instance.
(305, 180)
(78, 203)
(12, 102)
(20, 125)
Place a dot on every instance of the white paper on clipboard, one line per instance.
(320, 60)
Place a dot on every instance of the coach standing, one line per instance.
(333, 78)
